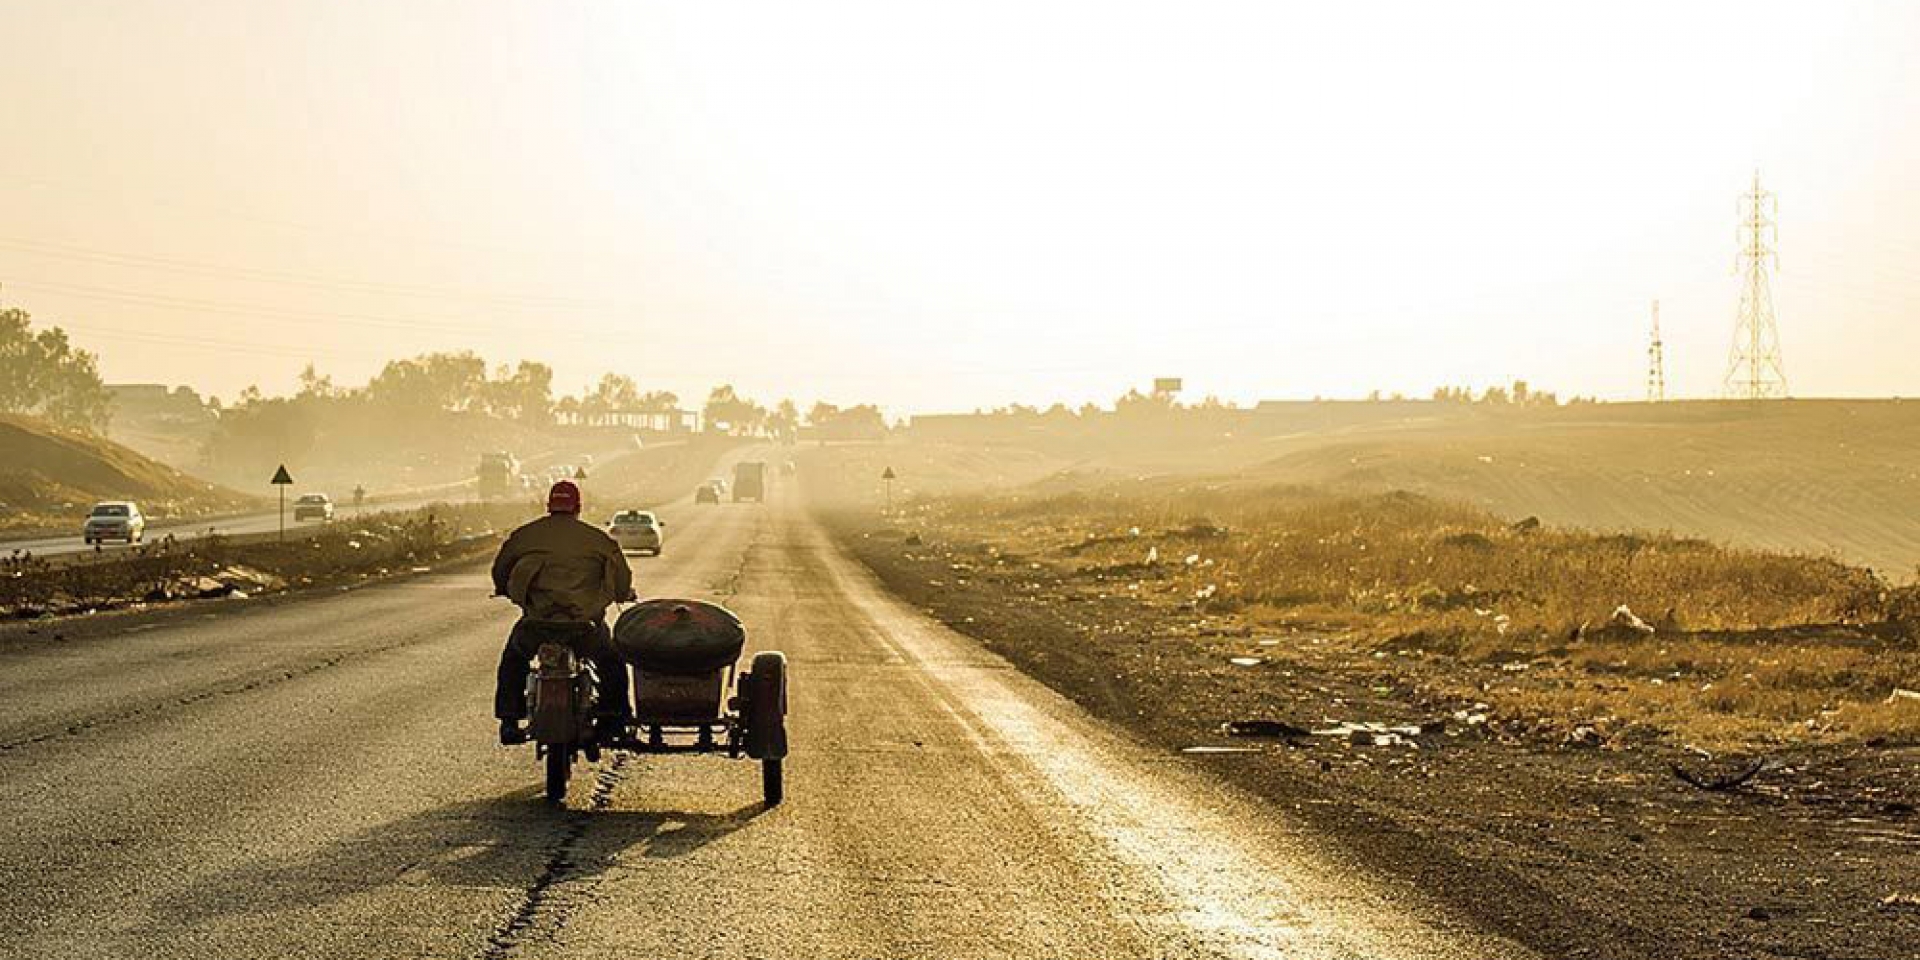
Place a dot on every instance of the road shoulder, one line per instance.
(1573, 852)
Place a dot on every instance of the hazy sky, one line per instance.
(945, 206)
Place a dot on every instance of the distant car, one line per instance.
(559, 473)
(637, 531)
(707, 493)
(114, 520)
(313, 506)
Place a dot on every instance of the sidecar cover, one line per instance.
(679, 637)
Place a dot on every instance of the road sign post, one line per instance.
(887, 477)
(283, 480)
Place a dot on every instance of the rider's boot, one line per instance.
(511, 732)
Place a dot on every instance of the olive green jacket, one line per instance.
(561, 568)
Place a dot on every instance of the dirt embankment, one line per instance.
(50, 475)
(1606, 792)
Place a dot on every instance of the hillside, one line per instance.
(49, 475)
(1839, 478)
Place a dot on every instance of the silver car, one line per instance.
(637, 531)
(313, 506)
(114, 520)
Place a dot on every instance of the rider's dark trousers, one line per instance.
(510, 689)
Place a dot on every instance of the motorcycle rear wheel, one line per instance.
(772, 783)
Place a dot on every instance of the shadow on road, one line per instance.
(506, 841)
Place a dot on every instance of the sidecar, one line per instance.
(685, 658)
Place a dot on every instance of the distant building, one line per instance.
(658, 421)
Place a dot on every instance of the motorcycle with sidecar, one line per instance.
(684, 658)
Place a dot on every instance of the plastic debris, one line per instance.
(1624, 617)
(1368, 734)
(1263, 728)
(1900, 901)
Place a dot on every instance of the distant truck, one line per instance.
(499, 475)
(750, 481)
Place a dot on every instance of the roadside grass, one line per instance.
(1560, 629)
(212, 566)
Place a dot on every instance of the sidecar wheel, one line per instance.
(559, 768)
(772, 787)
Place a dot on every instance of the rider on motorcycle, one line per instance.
(560, 570)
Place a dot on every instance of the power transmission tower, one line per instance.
(1754, 370)
(1656, 362)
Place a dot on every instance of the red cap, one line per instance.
(563, 498)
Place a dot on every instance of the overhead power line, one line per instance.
(80, 254)
(438, 325)
(251, 347)
(81, 192)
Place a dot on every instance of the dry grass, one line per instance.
(1747, 647)
(1432, 565)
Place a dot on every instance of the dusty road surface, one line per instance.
(315, 776)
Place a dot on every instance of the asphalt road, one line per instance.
(316, 777)
(261, 522)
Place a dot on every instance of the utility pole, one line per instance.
(1754, 369)
(1656, 362)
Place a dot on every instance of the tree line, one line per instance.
(523, 393)
(43, 374)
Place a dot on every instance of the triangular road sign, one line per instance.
(888, 475)
(281, 476)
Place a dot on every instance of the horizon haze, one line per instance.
(940, 210)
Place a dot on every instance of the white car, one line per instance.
(637, 531)
(313, 506)
(114, 520)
